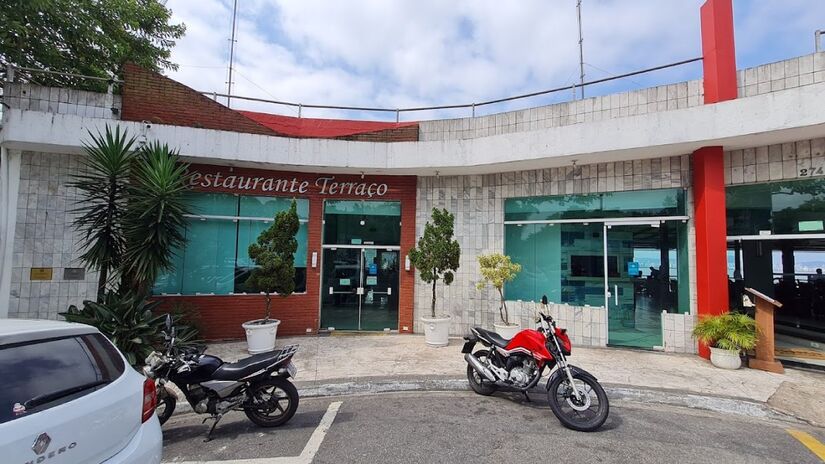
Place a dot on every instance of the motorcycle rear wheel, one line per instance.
(269, 397)
(166, 405)
(478, 383)
(586, 415)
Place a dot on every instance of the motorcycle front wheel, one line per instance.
(585, 414)
(477, 382)
(166, 405)
(272, 402)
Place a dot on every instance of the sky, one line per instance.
(385, 53)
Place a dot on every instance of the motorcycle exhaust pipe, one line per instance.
(480, 368)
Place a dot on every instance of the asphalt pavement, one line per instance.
(461, 427)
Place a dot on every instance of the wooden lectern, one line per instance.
(765, 346)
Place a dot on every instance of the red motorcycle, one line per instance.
(576, 397)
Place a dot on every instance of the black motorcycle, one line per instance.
(258, 385)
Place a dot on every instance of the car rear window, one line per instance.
(45, 373)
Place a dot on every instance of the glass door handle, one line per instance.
(616, 294)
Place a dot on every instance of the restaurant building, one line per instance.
(634, 213)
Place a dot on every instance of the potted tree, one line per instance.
(496, 269)
(727, 335)
(437, 258)
(274, 256)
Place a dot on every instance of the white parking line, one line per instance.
(306, 456)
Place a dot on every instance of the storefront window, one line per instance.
(790, 207)
(216, 259)
(362, 222)
(566, 260)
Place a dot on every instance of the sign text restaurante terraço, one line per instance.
(326, 185)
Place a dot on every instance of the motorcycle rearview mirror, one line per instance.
(168, 323)
(544, 300)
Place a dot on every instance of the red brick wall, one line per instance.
(149, 96)
(397, 134)
(222, 315)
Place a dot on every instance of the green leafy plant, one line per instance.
(437, 253)
(132, 323)
(730, 331)
(126, 319)
(274, 256)
(87, 37)
(496, 269)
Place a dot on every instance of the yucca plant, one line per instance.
(155, 220)
(730, 331)
(103, 192)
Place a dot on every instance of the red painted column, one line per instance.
(719, 56)
(711, 235)
(709, 216)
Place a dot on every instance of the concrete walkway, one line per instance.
(360, 358)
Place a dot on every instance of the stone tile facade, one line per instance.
(586, 325)
(62, 101)
(477, 201)
(788, 161)
(772, 77)
(787, 74)
(617, 105)
(677, 333)
(44, 237)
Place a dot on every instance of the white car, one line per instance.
(67, 395)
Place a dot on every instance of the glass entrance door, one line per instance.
(379, 302)
(360, 288)
(340, 294)
(641, 280)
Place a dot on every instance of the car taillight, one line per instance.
(150, 400)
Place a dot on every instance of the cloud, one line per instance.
(427, 52)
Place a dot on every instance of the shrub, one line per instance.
(730, 331)
(437, 254)
(496, 269)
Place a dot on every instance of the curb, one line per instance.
(633, 394)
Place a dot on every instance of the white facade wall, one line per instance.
(477, 201)
(44, 237)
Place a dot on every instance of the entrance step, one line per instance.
(347, 333)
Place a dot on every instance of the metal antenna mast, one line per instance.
(231, 53)
(581, 48)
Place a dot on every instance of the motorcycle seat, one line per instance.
(247, 366)
(492, 337)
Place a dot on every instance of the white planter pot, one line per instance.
(260, 337)
(725, 359)
(507, 331)
(436, 330)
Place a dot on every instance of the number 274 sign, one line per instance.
(805, 172)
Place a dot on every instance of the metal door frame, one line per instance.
(360, 289)
(605, 227)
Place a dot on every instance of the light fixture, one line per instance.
(407, 263)
(314, 259)
(362, 222)
(362, 174)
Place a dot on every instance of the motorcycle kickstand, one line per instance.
(527, 397)
(217, 418)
